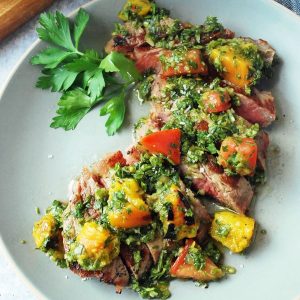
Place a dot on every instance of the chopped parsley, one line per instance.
(56, 210)
(137, 259)
(222, 229)
(149, 172)
(156, 283)
(196, 257)
(211, 25)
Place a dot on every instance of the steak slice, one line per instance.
(234, 192)
(262, 141)
(155, 247)
(157, 87)
(103, 167)
(222, 34)
(125, 44)
(115, 273)
(258, 108)
(143, 267)
(267, 51)
(147, 58)
(202, 214)
(84, 186)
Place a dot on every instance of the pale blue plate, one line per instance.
(270, 270)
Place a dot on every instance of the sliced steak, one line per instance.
(79, 191)
(90, 181)
(85, 185)
(157, 87)
(135, 37)
(143, 267)
(147, 58)
(115, 273)
(258, 108)
(145, 127)
(155, 247)
(267, 51)
(159, 115)
(200, 212)
(234, 192)
(203, 215)
(223, 34)
(103, 167)
(262, 141)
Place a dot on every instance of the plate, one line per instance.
(37, 162)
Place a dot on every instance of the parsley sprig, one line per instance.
(84, 77)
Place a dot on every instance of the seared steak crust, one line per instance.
(115, 273)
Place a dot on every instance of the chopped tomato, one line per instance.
(228, 148)
(202, 126)
(210, 272)
(239, 155)
(215, 101)
(182, 269)
(166, 142)
(181, 258)
(248, 151)
(189, 63)
(115, 159)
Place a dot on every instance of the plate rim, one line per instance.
(3, 248)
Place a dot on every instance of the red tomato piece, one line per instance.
(245, 152)
(202, 126)
(166, 142)
(248, 152)
(228, 148)
(215, 101)
(182, 269)
(181, 258)
(190, 63)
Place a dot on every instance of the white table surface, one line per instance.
(11, 49)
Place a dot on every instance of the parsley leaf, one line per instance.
(115, 108)
(73, 106)
(56, 30)
(81, 21)
(96, 84)
(50, 57)
(59, 79)
(117, 62)
(84, 63)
